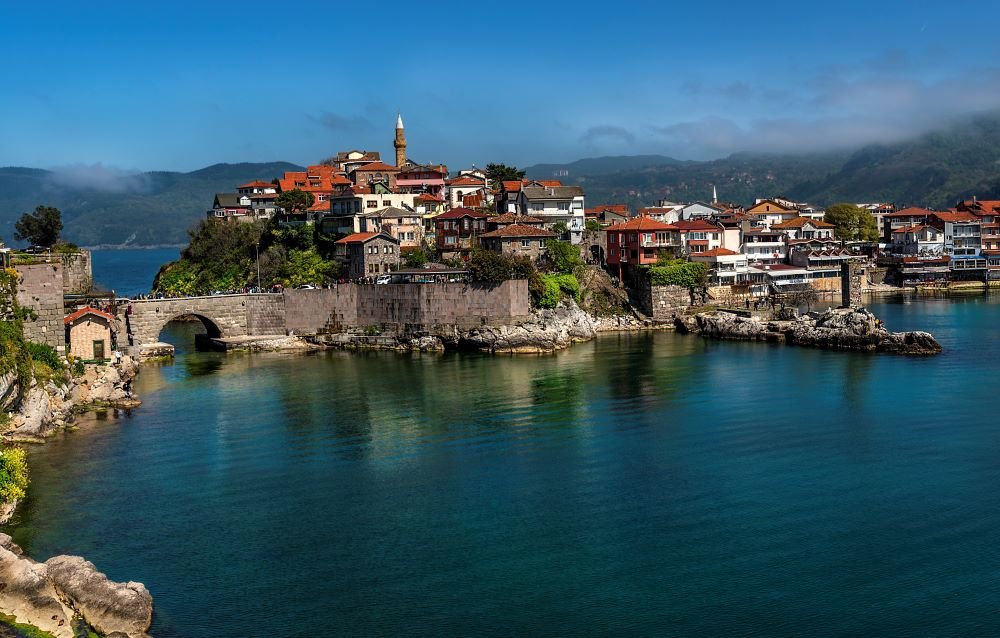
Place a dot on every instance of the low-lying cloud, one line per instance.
(832, 111)
(345, 123)
(597, 133)
(97, 177)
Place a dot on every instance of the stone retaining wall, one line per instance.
(40, 289)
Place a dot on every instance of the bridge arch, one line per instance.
(222, 316)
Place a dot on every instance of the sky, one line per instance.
(107, 88)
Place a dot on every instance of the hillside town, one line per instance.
(379, 212)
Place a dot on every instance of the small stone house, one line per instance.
(518, 240)
(367, 254)
(88, 333)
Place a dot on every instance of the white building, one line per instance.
(555, 204)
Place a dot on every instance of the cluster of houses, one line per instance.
(382, 210)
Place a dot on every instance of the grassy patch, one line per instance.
(26, 631)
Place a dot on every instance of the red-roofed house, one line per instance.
(255, 187)
(699, 235)
(88, 333)
(903, 219)
(367, 254)
(963, 240)
(608, 215)
(458, 229)
(640, 241)
(518, 240)
(463, 185)
(988, 212)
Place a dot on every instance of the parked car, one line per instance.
(383, 279)
(307, 287)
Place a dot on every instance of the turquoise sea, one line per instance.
(640, 484)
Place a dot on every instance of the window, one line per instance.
(465, 223)
(321, 197)
(450, 240)
(372, 203)
(538, 206)
(386, 203)
(564, 206)
(525, 243)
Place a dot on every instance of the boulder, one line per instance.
(48, 595)
(546, 331)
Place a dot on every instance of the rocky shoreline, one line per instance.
(53, 596)
(854, 329)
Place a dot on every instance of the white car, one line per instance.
(383, 279)
(307, 287)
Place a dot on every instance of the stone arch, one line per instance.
(212, 328)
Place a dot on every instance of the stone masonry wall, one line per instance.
(40, 289)
(78, 278)
(265, 315)
(405, 309)
(662, 302)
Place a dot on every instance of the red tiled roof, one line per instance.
(360, 238)
(459, 213)
(799, 222)
(465, 180)
(956, 217)
(909, 229)
(621, 209)
(695, 224)
(86, 311)
(257, 184)
(426, 197)
(718, 252)
(512, 185)
(545, 183)
(515, 218)
(376, 167)
(640, 223)
(910, 212)
(519, 230)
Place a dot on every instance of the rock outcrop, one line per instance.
(839, 329)
(43, 408)
(50, 595)
(547, 331)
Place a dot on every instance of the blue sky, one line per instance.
(179, 85)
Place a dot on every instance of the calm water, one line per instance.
(129, 272)
(644, 484)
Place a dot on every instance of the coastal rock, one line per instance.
(48, 595)
(105, 605)
(839, 329)
(426, 344)
(8, 390)
(546, 331)
(34, 416)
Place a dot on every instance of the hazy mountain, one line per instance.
(932, 170)
(104, 207)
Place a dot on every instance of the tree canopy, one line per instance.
(852, 223)
(564, 255)
(41, 227)
(295, 200)
(497, 173)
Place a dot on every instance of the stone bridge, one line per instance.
(222, 315)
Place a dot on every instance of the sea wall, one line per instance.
(406, 309)
(40, 290)
(662, 303)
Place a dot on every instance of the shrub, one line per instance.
(678, 272)
(564, 255)
(45, 354)
(13, 474)
(551, 289)
(415, 258)
(550, 295)
(593, 225)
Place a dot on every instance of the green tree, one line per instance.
(564, 255)
(40, 228)
(295, 200)
(497, 173)
(593, 225)
(852, 223)
(415, 258)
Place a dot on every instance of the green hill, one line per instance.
(146, 209)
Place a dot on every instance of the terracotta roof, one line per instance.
(799, 222)
(465, 180)
(360, 238)
(86, 311)
(909, 229)
(515, 218)
(512, 185)
(376, 167)
(519, 230)
(910, 212)
(718, 252)
(257, 184)
(956, 217)
(641, 223)
(426, 197)
(458, 213)
(695, 224)
(545, 183)
(621, 209)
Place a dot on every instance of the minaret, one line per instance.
(400, 142)
(715, 197)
